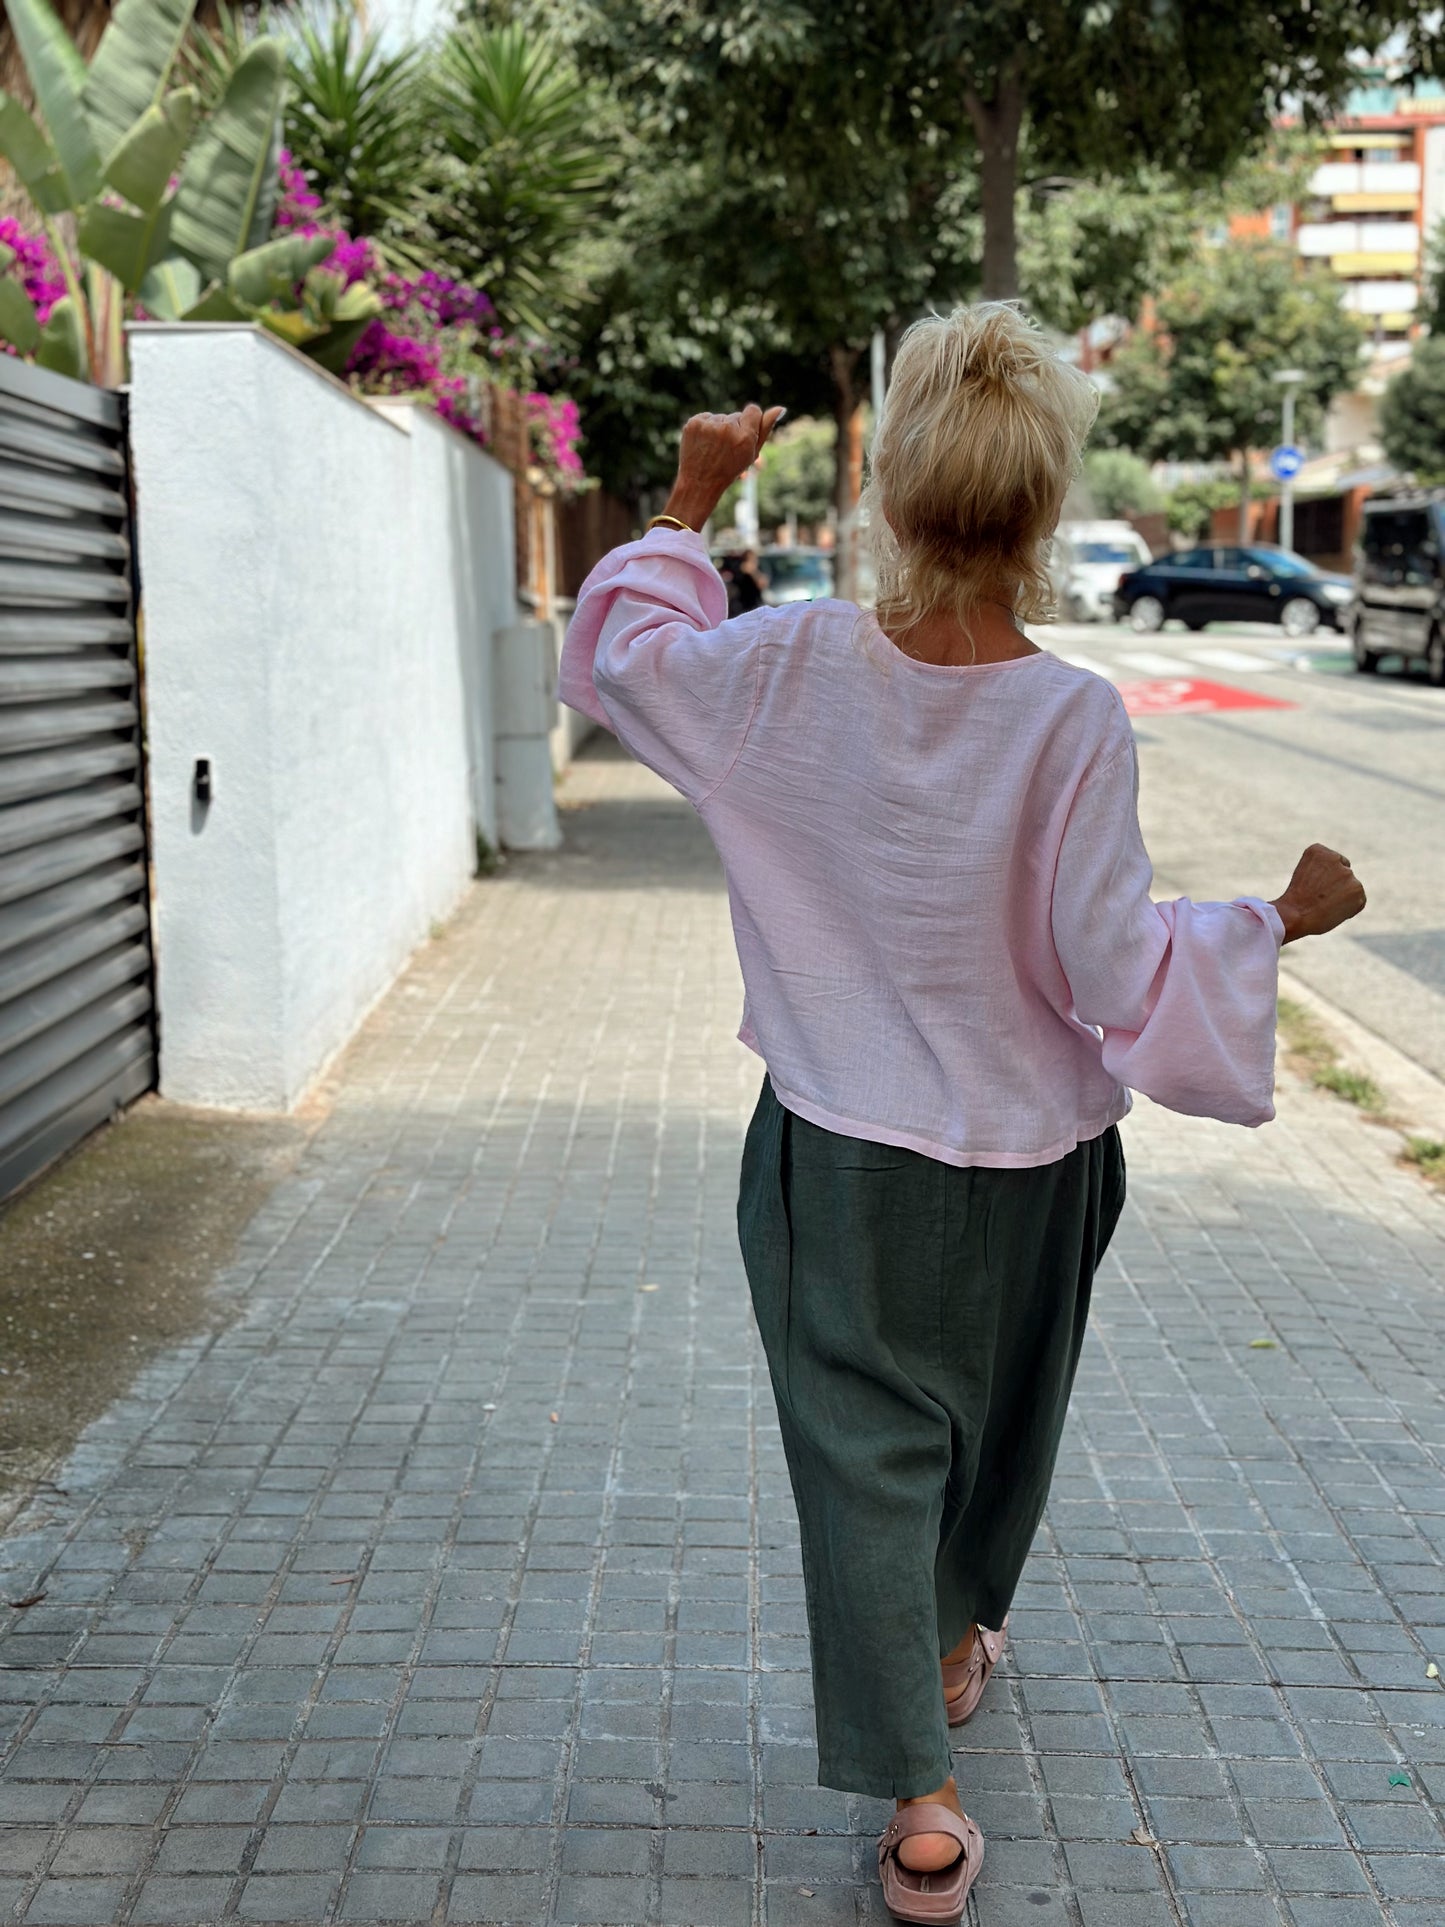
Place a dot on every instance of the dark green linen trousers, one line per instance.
(922, 1324)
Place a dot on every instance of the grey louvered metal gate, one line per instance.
(76, 1031)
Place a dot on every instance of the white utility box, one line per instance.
(524, 693)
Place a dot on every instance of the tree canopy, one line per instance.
(1200, 384)
(814, 176)
(1083, 89)
(1412, 414)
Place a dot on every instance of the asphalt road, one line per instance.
(1231, 795)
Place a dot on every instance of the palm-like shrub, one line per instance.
(521, 171)
(355, 122)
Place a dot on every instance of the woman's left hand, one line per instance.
(716, 450)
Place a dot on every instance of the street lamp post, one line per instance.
(1289, 379)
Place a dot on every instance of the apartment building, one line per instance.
(1374, 202)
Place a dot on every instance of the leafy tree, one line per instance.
(1092, 248)
(653, 342)
(796, 478)
(1192, 506)
(1084, 89)
(1432, 311)
(1412, 413)
(1199, 385)
(819, 174)
(1118, 483)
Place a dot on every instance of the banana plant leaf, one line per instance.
(18, 323)
(36, 164)
(141, 166)
(271, 272)
(62, 342)
(57, 76)
(289, 324)
(126, 245)
(171, 288)
(357, 303)
(216, 305)
(227, 194)
(327, 294)
(333, 351)
(131, 66)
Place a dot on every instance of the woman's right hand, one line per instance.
(1323, 893)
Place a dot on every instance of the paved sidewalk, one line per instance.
(456, 1580)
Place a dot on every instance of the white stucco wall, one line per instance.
(319, 587)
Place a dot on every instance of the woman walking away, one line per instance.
(954, 974)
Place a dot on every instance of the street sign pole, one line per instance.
(1286, 487)
(1289, 380)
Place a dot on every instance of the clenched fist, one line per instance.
(716, 450)
(1323, 893)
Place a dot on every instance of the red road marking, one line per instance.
(1183, 696)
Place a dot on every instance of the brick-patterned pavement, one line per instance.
(456, 1580)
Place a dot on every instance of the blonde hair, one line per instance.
(978, 443)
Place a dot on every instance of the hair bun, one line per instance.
(995, 343)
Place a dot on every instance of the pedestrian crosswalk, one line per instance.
(1132, 664)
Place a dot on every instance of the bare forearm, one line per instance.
(690, 503)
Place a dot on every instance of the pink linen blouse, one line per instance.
(939, 891)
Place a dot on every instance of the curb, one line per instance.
(1416, 1096)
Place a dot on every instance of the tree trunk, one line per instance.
(996, 125)
(1243, 497)
(847, 466)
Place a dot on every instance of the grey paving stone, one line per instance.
(1238, 1910)
(287, 1896)
(74, 1902)
(180, 1900)
(502, 1849)
(390, 1896)
(1113, 1869)
(1112, 1909)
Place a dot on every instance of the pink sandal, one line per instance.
(974, 1673)
(934, 1899)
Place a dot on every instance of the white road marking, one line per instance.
(1157, 665)
(1092, 664)
(1236, 659)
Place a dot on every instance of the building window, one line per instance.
(1281, 220)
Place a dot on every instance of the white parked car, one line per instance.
(1087, 560)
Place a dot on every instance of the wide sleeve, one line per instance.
(1184, 993)
(650, 655)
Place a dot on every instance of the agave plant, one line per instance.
(160, 210)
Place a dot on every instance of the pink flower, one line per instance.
(36, 269)
(430, 324)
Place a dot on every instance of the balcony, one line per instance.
(1381, 297)
(1365, 177)
(1326, 239)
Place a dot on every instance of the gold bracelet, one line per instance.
(670, 522)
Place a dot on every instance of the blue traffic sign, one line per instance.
(1285, 463)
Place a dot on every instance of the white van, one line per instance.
(1086, 562)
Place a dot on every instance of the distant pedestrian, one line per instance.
(743, 582)
(955, 974)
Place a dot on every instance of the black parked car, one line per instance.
(1234, 585)
(1399, 607)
